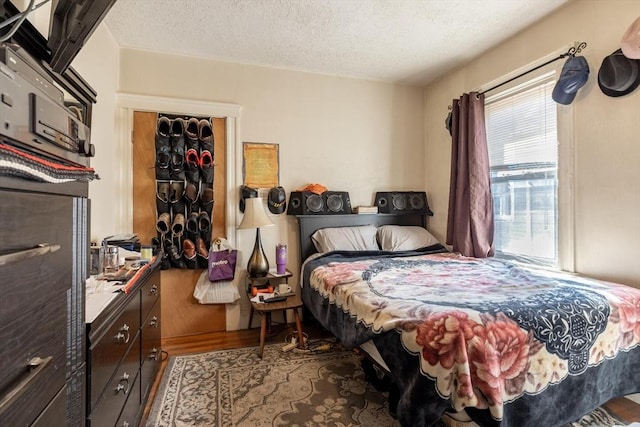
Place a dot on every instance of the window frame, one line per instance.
(565, 244)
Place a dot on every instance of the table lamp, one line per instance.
(256, 217)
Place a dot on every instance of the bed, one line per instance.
(502, 344)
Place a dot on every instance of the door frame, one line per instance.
(128, 103)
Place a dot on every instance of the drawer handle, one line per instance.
(35, 366)
(39, 250)
(120, 387)
(123, 334)
(125, 424)
(154, 290)
(153, 354)
(154, 322)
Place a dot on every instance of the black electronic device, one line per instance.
(275, 299)
(402, 202)
(33, 114)
(327, 203)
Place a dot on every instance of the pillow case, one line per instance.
(404, 237)
(361, 238)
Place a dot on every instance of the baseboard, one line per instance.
(634, 397)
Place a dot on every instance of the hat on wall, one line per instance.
(246, 193)
(574, 75)
(631, 41)
(618, 75)
(277, 200)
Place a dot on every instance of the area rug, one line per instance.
(236, 388)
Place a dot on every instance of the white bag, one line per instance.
(219, 292)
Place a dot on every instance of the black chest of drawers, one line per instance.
(123, 354)
(43, 265)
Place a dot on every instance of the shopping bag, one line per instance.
(207, 292)
(222, 261)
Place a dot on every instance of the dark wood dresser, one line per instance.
(43, 264)
(123, 353)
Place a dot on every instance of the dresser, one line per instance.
(43, 264)
(123, 352)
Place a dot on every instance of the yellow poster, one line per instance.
(260, 167)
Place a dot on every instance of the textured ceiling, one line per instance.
(402, 41)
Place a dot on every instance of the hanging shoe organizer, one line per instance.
(184, 170)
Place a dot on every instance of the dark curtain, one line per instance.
(470, 221)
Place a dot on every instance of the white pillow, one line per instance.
(404, 238)
(361, 238)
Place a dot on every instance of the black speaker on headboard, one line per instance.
(402, 202)
(327, 203)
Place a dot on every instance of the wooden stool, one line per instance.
(265, 309)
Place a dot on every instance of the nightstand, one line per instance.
(292, 302)
(272, 278)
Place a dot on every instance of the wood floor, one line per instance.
(624, 409)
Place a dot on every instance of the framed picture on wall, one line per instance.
(260, 165)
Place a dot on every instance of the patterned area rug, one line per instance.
(236, 388)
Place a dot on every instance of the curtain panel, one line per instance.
(470, 220)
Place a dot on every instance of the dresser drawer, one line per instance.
(150, 293)
(121, 387)
(106, 353)
(35, 252)
(32, 360)
(55, 414)
(151, 351)
(132, 411)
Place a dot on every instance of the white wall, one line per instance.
(606, 131)
(347, 134)
(98, 64)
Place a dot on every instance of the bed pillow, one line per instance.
(404, 238)
(361, 238)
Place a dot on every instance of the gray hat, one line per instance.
(618, 75)
(574, 75)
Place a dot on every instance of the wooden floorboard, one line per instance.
(625, 409)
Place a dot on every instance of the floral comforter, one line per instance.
(512, 346)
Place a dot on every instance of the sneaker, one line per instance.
(207, 201)
(192, 226)
(176, 191)
(174, 255)
(163, 130)
(163, 160)
(177, 164)
(163, 223)
(191, 132)
(205, 135)
(177, 228)
(177, 134)
(162, 197)
(206, 167)
(204, 226)
(193, 165)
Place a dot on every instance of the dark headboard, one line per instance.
(310, 223)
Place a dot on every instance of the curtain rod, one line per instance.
(573, 51)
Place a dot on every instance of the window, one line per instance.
(522, 136)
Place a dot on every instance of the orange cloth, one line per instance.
(314, 188)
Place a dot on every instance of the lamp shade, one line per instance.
(254, 214)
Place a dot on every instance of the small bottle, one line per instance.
(281, 258)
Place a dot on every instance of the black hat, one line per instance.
(574, 75)
(618, 75)
(277, 200)
(246, 193)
